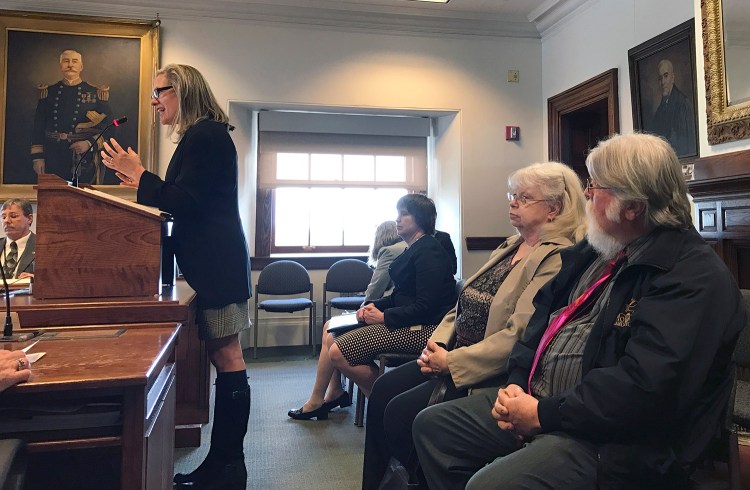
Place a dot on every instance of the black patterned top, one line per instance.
(475, 300)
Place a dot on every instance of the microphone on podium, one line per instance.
(77, 168)
(8, 335)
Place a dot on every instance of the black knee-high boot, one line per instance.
(224, 466)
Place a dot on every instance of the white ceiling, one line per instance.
(494, 18)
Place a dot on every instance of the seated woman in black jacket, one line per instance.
(401, 322)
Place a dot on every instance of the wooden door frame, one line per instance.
(601, 87)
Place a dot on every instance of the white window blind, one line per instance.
(331, 179)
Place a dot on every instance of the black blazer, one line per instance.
(200, 191)
(425, 288)
(444, 239)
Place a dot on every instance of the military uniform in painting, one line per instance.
(65, 114)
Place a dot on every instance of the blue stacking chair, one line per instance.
(349, 278)
(284, 278)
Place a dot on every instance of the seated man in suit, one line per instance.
(624, 373)
(18, 246)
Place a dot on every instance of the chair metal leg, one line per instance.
(349, 386)
(313, 317)
(325, 302)
(359, 414)
(312, 329)
(255, 330)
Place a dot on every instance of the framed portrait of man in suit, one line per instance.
(71, 82)
(663, 88)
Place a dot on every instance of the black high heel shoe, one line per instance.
(342, 401)
(214, 476)
(320, 413)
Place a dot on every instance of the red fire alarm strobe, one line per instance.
(512, 133)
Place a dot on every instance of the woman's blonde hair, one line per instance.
(385, 235)
(558, 183)
(196, 100)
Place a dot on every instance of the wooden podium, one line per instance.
(98, 263)
(91, 244)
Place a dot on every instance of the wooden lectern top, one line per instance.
(93, 359)
(93, 245)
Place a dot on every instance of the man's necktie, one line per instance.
(573, 309)
(11, 261)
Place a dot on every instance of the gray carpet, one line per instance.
(282, 453)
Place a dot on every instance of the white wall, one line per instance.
(278, 65)
(598, 37)
(296, 65)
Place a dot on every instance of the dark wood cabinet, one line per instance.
(721, 191)
(176, 304)
(99, 408)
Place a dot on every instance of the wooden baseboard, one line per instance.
(187, 435)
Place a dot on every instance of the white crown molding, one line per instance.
(553, 12)
(414, 22)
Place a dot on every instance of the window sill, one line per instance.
(308, 261)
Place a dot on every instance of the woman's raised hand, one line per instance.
(126, 163)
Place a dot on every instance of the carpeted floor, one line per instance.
(281, 453)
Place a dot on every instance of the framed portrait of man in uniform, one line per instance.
(70, 83)
(663, 88)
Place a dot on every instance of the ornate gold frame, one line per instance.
(725, 122)
(146, 31)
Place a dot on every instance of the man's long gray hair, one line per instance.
(642, 167)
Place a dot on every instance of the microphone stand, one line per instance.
(8, 335)
(90, 151)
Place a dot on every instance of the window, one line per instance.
(327, 192)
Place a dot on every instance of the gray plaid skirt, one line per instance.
(215, 323)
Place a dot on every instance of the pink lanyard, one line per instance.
(570, 311)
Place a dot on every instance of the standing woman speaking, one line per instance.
(200, 191)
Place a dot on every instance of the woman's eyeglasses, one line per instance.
(158, 90)
(522, 199)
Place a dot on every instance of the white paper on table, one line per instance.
(34, 357)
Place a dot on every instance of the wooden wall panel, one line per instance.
(721, 191)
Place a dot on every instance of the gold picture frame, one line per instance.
(120, 58)
(726, 122)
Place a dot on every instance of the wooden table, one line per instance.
(135, 371)
(175, 304)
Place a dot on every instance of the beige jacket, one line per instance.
(509, 312)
